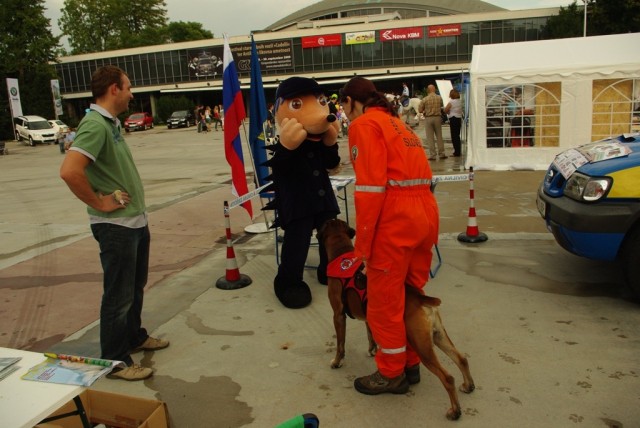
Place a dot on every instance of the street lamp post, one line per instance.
(584, 32)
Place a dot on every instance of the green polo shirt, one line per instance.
(99, 137)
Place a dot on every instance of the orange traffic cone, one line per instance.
(473, 234)
(233, 278)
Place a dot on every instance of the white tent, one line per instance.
(531, 100)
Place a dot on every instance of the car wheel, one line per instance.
(31, 142)
(19, 136)
(631, 260)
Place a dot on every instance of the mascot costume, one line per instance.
(305, 150)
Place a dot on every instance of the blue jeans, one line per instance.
(124, 254)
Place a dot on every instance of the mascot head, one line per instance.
(302, 99)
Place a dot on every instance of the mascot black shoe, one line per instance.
(305, 149)
(292, 294)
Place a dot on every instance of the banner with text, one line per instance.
(401, 34)
(273, 55)
(57, 99)
(321, 41)
(207, 62)
(445, 30)
(14, 97)
(360, 37)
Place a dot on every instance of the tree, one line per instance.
(568, 23)
(89, 25)
(186, 31)
(100, 25)
(603, 17)
(27, 49)
(613, 17)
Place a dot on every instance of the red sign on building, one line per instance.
(445, 30)
(401, 34)
(320, 41)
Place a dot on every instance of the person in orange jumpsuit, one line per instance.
(396, 227)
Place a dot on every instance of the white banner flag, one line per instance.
(57, 99)
(14, 97)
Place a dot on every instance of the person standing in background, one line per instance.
(404, 97)
(453, 110)
(431, 107)
(68, 140)
(100, 171)
(333, 105)
(216, 118)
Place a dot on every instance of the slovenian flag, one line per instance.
(234, 114)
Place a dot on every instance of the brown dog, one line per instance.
(422, 319)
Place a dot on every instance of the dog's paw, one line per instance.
(336, 364)
(467, 389)
(454, 414)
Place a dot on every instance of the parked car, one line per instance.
(181, 118)
(142, 121)
(590, 200)
(34, 129)
(60, 127)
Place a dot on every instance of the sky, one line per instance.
(240, 17)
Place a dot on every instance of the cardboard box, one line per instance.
(114, 410)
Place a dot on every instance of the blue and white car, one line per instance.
(590, 201)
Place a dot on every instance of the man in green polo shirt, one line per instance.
(100, 171)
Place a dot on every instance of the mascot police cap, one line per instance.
(293, 86)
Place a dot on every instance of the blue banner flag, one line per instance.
(257, 117)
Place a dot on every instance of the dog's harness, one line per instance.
(345, 267)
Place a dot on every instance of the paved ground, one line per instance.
(552, 339)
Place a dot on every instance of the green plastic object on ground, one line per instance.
(308, 420)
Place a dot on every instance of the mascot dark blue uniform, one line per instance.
(305, 150)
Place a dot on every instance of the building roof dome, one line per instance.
(336, 9)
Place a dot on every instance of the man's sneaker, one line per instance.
(152, 344)
(413, 374)
(376, 383)
(443, 156)
(133, 372)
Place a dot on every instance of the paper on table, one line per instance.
(71, 370)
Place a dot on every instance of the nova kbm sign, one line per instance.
(401, 34)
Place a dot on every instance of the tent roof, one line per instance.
(583, 55)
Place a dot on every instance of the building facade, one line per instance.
(415, 43)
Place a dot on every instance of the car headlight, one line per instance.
(584, 188)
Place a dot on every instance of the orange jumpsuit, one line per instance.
(396, 226)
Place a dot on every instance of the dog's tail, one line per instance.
(424, 299)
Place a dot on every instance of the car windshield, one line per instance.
(136, 116)
(41, 124)
(179, 114)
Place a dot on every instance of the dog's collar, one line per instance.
(344, 266)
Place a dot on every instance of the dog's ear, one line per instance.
(351, 232)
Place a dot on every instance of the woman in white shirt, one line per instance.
(454, 113)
